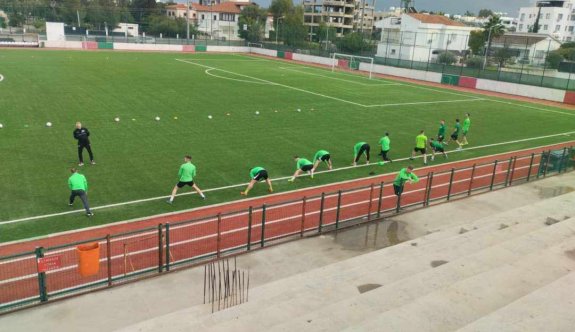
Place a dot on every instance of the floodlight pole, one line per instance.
(188, 20)
(488, 43)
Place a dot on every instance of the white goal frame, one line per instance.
(336, 56)
(259, 45)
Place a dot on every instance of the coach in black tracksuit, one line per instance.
(82, 134)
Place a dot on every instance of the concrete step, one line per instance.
(447, 245)
(549, 308)
(355, 310)
(465, 301)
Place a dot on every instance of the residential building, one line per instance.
(218, 19)
(343, 15)
(556, 18)
(528, 48)
(421, 37)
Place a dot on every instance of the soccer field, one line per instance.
(138, 157)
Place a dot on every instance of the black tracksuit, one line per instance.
(82, 135)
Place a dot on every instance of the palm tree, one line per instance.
(493, 29)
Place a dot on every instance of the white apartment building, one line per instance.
(557, 19)
(420, 37)
(343, 15)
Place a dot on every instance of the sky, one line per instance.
(449, 6)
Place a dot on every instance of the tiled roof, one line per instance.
(436, 19)
(178, 6)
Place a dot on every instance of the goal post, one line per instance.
(258, 45)
(350, 62)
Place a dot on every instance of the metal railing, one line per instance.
(155, 250)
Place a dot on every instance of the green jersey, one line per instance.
(385, 143)
(420, 141)
(357, 147)
(457, 128)
(78, 182)
(319, 155)
(466, 124)
(441, 132)
(187, 172)
(301, 162)
(254, 171)
(403, 177)
(436, 145)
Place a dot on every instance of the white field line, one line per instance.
(274, 83)
(428, 102)
(339, 79)
(208, 72)
(530, 107)
(1, 78)
(280, 179)
(245, 228)
(230, 60)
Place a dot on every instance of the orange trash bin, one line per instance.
(89, 259)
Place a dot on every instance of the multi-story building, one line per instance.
(421, 37)
(343, 15)
(218, 19)
(556, 18)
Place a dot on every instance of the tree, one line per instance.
(295, 31)
(493, 28)
(254, 19)
(474, 62)
(446, 58)
(485, 13)
(503, 55)
(2, 23)
(325, 33)
(281, 8)
(535, 27)
(476, 42)
(352, 43)
(468, 13)
(553, 59)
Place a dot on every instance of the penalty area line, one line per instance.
(145, 200)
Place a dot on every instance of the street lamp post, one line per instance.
(188, 20)
(488, 44)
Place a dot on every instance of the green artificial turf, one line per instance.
(139, 157)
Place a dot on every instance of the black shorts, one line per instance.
(183, 184)
(440, 138)
(325, 157)
(398, 190)
(307, 168)
(454, 137)
(261, 175)
(422, 150)
(439, 150)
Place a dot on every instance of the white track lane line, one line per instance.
(102, 207)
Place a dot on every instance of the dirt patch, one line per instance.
(367, 287)
(435, 264)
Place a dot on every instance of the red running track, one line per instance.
(133, 253)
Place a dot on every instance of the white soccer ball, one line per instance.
(209, 117)
(257, 112)
(299, 110)
(117, 119)
(48, 124)
(157, 118)
(1, 126)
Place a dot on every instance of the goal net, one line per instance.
(350, 62)
(258, 45)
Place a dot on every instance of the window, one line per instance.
(215, 17)
(520, 26)
(202, 16)
(547, 16)
(545, 27)
(227, 17)
(393, 52)
(559, 17)
(557, 28)
(570, 29)
(539, 54)
(522, 17)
